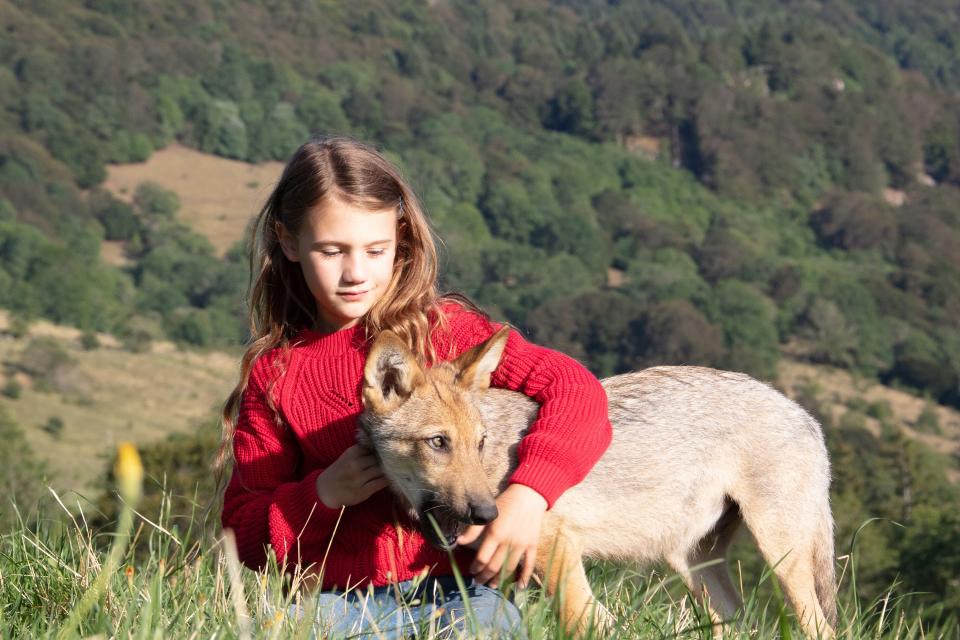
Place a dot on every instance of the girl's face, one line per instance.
(346, 254)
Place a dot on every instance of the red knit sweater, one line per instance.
(271, 498)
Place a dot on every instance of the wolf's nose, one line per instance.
(483, 513)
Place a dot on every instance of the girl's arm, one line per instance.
(570, 434)
(572, 429)
(266, 501)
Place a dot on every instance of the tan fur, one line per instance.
(695, 452)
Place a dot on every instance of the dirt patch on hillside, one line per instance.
(218, 197)
(838, 387)
(114, 395)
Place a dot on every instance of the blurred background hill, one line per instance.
(772, 187)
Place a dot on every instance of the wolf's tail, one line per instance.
(823, 567)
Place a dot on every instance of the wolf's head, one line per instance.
(426, 431)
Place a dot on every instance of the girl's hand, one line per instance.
(351, 479)
(511, 538)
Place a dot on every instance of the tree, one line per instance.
(118, 218)
(676, 332)
(855, 221)
(156, 202)
(593, 327)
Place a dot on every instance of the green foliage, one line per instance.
(880, 410)
(155, 202)
(54, 426)
(927, 421)
(676, 332)
(20, 475)
(931, 557)
(65, 285)
(48, 364)
(516, 134)
(12, 389)
(89, 341)
(760, 221)
(919, 364)
(139, 334)
(747, 319)
(856, 221)
(179, 482)
(119, 220)
(595, 328)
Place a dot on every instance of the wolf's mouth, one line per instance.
(439, 525)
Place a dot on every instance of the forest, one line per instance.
(638, 183)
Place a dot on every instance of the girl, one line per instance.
(342, 251)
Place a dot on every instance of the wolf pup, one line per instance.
(695, 453)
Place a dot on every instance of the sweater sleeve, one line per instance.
(572, 429)
(267, 502)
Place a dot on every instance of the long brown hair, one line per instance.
(280, 304)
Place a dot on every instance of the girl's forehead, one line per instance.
(336, 220)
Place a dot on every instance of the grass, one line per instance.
(150, 579)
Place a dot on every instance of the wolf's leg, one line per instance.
(709, 570)
(789, 545)
(560, 564)
(679, 562)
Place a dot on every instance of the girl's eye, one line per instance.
(376, 252)
(330, 253)
(437, 442)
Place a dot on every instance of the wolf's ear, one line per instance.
(478, 363)
(390, 374)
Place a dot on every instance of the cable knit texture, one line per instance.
(271, 498)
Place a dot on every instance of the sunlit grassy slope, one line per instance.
(165, 585)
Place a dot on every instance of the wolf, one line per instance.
(696, 452)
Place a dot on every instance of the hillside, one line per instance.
(109, 394)
(793, 171)
(218, 196)
(104, 396)
(760, 186)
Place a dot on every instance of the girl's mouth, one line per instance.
(352, 295)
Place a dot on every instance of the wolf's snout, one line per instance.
(483, 513)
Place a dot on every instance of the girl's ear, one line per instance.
(478, 363)
(288, 243)
(390, 374)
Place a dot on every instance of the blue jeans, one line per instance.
(433, 607)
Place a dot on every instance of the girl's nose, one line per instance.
(354, 270)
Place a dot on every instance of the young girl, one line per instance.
(342, 251)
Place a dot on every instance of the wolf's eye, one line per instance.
(437, 442)
(483, 440)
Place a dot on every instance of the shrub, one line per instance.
(89, 341)
(118, 218)
(139, 333)
(180, 467)
(880, 410)
(19, 327)
(919, 363)
(12, 389)
(22, 473)
(47, 363)
(927, 421)
(54, 426)
(155, 201)
(833, 339)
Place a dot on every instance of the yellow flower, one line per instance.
(129, 473)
